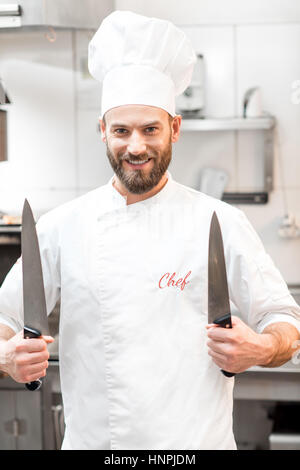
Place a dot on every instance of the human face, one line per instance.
(136, 134)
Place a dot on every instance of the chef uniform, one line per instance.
(132, 281)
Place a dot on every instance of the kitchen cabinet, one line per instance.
(20, 425)
(265, 124)
(26, 420)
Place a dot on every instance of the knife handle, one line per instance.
(225, 322)
(32, 333)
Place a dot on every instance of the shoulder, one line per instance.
(73, 210)
(241, 241)
(207, 204)
(237, 231)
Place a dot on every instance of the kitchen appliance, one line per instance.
(213, 182)
(35, 309)
(218, 296)
(65, 14)
(3, 96)
(3, 135)
(3, 123)
(190, 104)
(252, 104)
(285, 434)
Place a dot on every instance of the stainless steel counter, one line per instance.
(279, 385)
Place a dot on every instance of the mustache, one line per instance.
(137, 158)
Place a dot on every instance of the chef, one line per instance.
(139, 366)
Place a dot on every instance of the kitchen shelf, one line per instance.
(9, 228)
(266, 124)
(228, 124)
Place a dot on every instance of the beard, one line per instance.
(141, 181)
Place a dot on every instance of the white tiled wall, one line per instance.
(268, 56)
(261, 55)
(217, 46)
(39, 79)
(202, 12)
(93, 165)
(55, 149)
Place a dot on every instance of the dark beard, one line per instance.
(136, 182)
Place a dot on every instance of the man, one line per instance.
(140, 367)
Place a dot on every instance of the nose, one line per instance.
(136, 144)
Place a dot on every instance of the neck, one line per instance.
(132, 198)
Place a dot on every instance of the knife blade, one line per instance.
(218, 296)
(35, 310)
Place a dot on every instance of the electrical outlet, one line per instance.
(289, 227)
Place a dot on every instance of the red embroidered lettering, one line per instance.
(171, 280)
(185, 282)
(181, 282)
(167, 274)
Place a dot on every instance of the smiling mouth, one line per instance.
(138, 164)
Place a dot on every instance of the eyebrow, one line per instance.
(147, 124)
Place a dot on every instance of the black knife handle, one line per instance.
(227, 374)
(225, 322)
(32, 333)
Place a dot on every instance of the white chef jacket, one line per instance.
(132, 280)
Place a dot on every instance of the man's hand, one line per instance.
(25, 360)
(238, 348)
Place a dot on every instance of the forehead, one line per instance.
(131, 115)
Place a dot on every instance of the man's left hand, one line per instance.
(238, 348)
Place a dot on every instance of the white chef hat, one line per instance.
(140, 60)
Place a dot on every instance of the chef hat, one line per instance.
(140, 60)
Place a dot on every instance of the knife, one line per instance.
(218, 296)
(35, 310)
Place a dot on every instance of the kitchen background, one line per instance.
(54, 148)
(55, 152)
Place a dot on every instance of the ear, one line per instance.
(102, 129)
(175, 127)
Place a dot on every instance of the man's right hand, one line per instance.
(25, 360)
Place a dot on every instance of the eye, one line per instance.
(120, 131)
(150, 130)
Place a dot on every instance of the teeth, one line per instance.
(138, 163)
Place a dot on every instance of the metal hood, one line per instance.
(66, 14)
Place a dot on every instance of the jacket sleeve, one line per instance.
(256, 287)
(11, 291)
